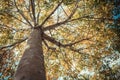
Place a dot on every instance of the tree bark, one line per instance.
(31, 66)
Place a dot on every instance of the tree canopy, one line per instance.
(79, 37)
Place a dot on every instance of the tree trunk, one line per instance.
(31, 66)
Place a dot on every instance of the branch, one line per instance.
(77, 50)
(62, 22)
(15, 43)
(59, 44)
(91, 18)
(11, 28)
(4, 26)
(73, 12)
(38, 15)
(50, 27)
(33, 11)
(14, 17)
(49, 47)
(18, 19)
(52, 40)
(51, 14)
(22, 14)
(54, 25)
(64, 11)
(28, 9)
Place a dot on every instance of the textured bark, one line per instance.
(31, 66)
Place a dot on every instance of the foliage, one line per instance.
(88, 29)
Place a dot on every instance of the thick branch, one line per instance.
(37, 21)
(50, 27)
(54, 25)
(52, 40)
(15, 43)
(33, 11)
(62, 22)
(59, 44)
(49, 47)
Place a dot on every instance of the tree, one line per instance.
(34, 54)
(69, 28)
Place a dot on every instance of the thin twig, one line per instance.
(28, 9)
(22, 14)
(51, 13)
(15, 43)
(15, 18)
(64, 11)
(4, 26)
